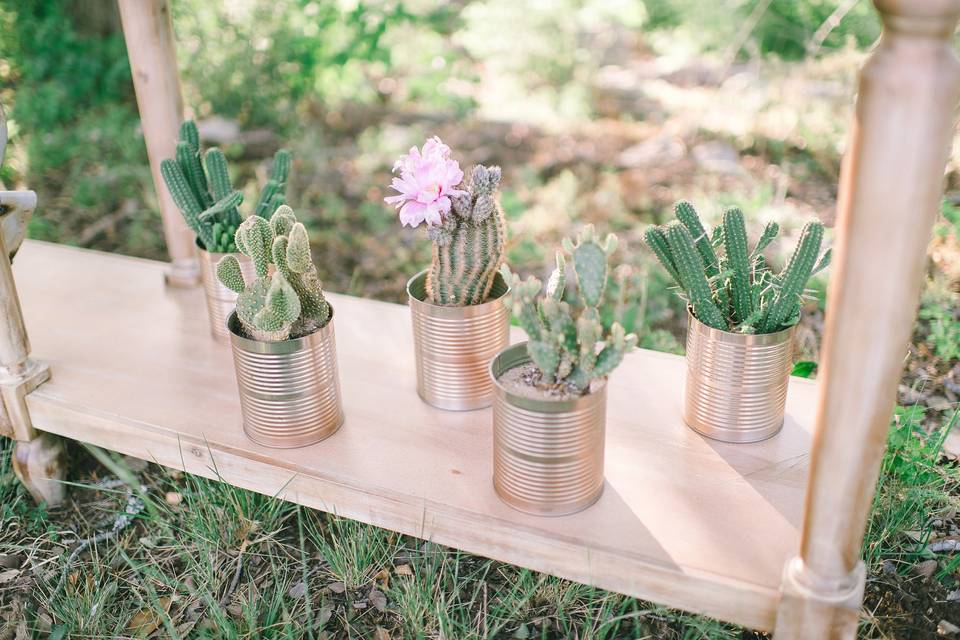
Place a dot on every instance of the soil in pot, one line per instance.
(526, 380)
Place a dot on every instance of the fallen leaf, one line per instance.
(381, 634)
(326, 612)
(382, 579)
(298, 590)
(9, 575)
(944, 544)
(147, 620)
(925, 568)
(378, 599)
(8, 561)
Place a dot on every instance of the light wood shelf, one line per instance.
(683, 521)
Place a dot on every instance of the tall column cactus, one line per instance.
(570, 345)
(205, 196)
(465, 222)
(286, 302)
(735, 290)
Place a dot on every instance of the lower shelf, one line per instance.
(683, 521)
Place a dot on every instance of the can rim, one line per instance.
(289, 345)
(745, 339)
(442, 310)
(516, 355)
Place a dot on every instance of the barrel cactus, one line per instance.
(286, 301)
(727, 286)
(205, 196)
(464, 221)
(568, 342)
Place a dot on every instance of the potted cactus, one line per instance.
(282, 335)
(550, 402)
(742, 319)
(460, 320)
(202, 191)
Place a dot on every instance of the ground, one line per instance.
(605, 122)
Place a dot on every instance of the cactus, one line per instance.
(287, 302)
(468, 244)
(738, 292)
(205, 196)
(784, 308)
(464, 221)
(569, 345)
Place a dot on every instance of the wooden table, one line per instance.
(684, 521)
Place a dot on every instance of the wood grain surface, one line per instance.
(683, 521)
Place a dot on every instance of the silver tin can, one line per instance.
(453, 346)
(547, 455)
(221, 301)
(736, 387)
(289, 390)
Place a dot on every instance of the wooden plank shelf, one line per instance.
(683, 521)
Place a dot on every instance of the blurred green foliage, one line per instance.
(261, 59)
(73, 123)
(785, 28)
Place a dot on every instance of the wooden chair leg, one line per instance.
(40, 464)
(890, 189)
(810, 611)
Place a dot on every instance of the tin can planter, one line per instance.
(290, 389)
(547, 454)
(220, 301)
(453, 346)
(736, 387)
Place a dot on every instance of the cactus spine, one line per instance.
(287, 303)
(468, 245)
(570, 346)
(205, 196)
(738, 293)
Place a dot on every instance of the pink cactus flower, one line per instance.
(428, 177)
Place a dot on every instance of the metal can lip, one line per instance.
(416, 292)
(729, 337)
(290, 345)
(516, 355)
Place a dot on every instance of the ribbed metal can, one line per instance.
(736, 386)
(220, 301)
(547, 455)
(290, 389)
(453, 346)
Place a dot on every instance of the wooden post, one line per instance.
(148, 31)
(890, 189)
(37, 457)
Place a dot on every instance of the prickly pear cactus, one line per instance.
(569, 343)
(205, 196)
(735, 290)
(286, 302)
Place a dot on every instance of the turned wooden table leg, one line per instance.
(890, 189)
(148, 31)
(38, 459)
